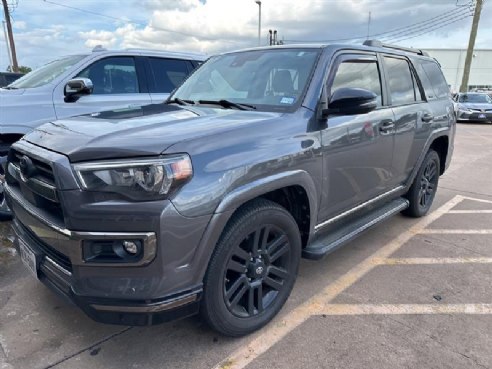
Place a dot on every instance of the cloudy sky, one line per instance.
(46, 29)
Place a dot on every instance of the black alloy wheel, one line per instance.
(252, 269)
(424, 187)
(257, 271)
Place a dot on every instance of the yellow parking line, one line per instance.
(456, 231)
(273, 333)
(470, 212)
(406, 309)
(424, 261)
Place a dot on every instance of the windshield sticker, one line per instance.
(287, 100)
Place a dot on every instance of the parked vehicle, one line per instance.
(207, 203)
(474, 107)
(6, 78)
(87, 83)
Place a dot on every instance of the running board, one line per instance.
(334, 240)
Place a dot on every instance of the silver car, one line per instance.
(88, 83)
(474, 107)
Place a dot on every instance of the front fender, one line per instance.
(233, 200)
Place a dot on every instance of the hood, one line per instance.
(4, 92)
(478, 106)
(23, 109)
(144, 131)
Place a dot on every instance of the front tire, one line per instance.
(424, 187)
(252, 270)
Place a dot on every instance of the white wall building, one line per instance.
(453, 61)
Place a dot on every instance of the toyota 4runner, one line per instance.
(206, 203)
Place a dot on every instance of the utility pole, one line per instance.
(15, 66)
(471, 46)
(7, 44)
(259, 21)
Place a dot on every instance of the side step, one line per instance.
(336, 239)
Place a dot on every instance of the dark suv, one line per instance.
(207, 202)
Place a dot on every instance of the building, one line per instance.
(453, 61)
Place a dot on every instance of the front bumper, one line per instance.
(475, 116)
(108, 310)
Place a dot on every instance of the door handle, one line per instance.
(427, 117)
(386, 126)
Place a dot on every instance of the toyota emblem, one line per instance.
(27, 168)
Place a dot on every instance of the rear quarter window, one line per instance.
(433, 81)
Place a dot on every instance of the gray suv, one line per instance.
(207, 203)
(87, 83)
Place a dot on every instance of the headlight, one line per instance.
(144, 179)
(464, 110)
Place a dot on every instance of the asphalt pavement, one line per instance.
(409, 293)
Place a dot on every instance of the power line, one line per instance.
(427, 25)
(129, 21)
(430, 28)
(396, 31)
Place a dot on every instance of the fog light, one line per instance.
(131, 247)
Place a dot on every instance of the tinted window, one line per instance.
(113, 76)
(358, 74)
(400, 81)
(426, 83)
(168, 74)
(437, 79)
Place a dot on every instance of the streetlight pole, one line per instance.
(259, 21)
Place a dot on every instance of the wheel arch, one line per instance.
(438, 141)
(283, 188)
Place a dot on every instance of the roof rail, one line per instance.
(377, 43)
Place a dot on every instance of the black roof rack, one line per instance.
(377, 43)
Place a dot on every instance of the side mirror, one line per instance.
(350, 101)
(77, 87)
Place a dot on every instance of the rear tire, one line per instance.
(252, 270)
(424, 187)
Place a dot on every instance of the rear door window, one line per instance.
(168, 74)
(400, 81)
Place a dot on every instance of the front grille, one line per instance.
(39, 188)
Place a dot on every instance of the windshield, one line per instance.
(46, 73)
(261, 78)
(475, 98)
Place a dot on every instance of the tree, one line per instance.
(22, 69)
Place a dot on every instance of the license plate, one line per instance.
(481, 116)
(28, 258)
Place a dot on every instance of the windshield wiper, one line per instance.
(228, 104)
(10, 88)
(178, 101)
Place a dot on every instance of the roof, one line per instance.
(152, 52)
(392, 49)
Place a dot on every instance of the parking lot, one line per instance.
(410, 293)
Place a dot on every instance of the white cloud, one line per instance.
(19, 25)
(44, 31)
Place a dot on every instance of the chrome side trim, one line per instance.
(32, 210)
(58, 267)
(358, 207)
(168, 305)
